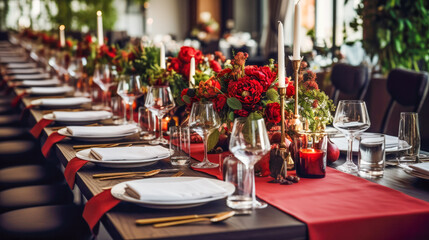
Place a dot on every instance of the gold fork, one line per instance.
(178, 174)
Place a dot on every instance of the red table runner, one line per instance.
(342, 206)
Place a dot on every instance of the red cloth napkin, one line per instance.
(50, 141)
(71, 169)
(97, 206)
(37, 129)
(18, 98)
(342, 206)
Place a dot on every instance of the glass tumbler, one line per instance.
(372, 155)
(147, 123)
(409, 137)
(235, 172)
(180, 146)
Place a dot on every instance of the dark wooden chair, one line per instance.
(350, 81)
(406, 88)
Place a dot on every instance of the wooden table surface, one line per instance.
(268, 223)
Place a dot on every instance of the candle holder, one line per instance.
(295, 123)
(310, 153)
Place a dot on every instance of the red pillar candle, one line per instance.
(311, 163)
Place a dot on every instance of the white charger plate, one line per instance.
(118, 191)
(58, 90)
(38, 102)
(50, 116)
(85, 155)
(107, 138)
(416, 174)
(342, 144)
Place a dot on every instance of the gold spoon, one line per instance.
(218, 218)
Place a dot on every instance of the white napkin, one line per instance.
(31, 76)
(21, 65)
(24, 70)
(422, 168)
(129, 153)
(81, 116)
(34, 83)
(13, 59)
(61, 101)
(175, 191)
(49, 90)
(101, 131)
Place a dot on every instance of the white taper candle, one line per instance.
(162, 56)
(281, 56)
(192, 73)
(296, 31)
(62, 36)
(100, 35)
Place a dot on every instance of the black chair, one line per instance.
(45, 222)
(406, 88)
(352, 81)
(33, 196)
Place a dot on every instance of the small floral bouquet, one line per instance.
(106, 54)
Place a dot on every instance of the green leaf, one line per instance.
(213, 140)
(186, 99)
(272, 94)
(254, 116)
(234, 103)
(231, 116)
(398, 46)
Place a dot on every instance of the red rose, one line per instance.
(263, 74)
(290, 90)
(184, 70)
(88, 38)
(241, 113)
(215, 66)
(219, 102)
(224, 72)
(315, 103)
(186, 53)
(248, 91)
(273, 113)
(174, 64)
(209, 88)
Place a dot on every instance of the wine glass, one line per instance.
(159, 100)
(204, 120)
(130, 88)
(249, 143)
(351, 118)
(103, 77)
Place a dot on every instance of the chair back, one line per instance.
(349, 80)
(407, 88)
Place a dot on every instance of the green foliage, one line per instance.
(212, 140)
(401, 33)
(85, 15)
(234, 103)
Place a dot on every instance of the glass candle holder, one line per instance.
(309, 154)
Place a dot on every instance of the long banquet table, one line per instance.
(269, 223)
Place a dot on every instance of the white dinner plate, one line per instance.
(118, 191)
(38, 102)
(342, 144)
(416, 174)
(46, 91)
(50, 116)
(109, 138)
(85, 155)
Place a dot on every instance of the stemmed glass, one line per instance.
(104, 79)
(249, 143)
(204, 120)
(130, 88)
(351, 118)
(159, 100)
